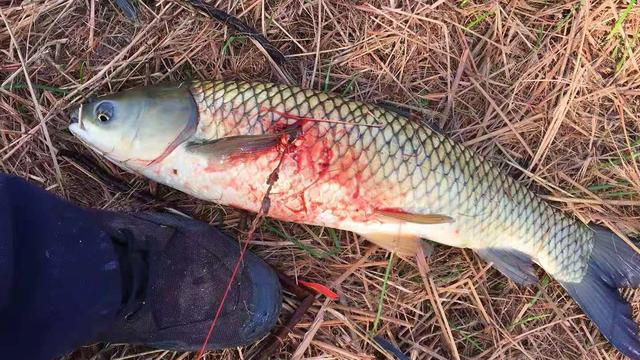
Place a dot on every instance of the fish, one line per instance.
(360, 167)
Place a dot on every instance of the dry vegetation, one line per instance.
(548, 89)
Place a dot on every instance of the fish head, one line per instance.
(138, 126)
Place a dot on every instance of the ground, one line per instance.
(549, 90)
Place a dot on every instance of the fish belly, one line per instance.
(302, 194)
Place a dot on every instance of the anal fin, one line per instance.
(513, 264)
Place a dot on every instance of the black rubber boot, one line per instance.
(71, 276)
(174, 273)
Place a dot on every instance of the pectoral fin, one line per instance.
(415, 218)
(513, 264)
(241, 144)
(236, 145)
(403, 245)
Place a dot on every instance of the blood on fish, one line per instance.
(299, 123)
(297, 158)
(358, 178)
(314, 180)
(325, 158)
(302, 206)
(303, 200)
(141, 162)
(213, 166)
(393, 210)
(285, 115)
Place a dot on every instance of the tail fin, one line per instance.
(613, 264)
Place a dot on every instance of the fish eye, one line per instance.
(104, 112)
(103, 117)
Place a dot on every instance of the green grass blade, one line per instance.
(347, 90)
(325, 85)
(227, 44)
(527, 320)
(543, 283)
(618, 25)
(376, 321)
(566, 18)
(477, 20)
(22, 86)
(304, 247)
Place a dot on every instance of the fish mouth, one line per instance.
(75, 121)
(80, 133)
(75, 115)
(76, 127)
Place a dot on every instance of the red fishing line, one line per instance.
(224, 297)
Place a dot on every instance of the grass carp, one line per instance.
(362, 168)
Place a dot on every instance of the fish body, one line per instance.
(363, 168)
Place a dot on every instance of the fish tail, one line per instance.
(613, 264)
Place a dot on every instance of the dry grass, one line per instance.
(548, 89)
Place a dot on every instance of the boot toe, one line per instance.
(188, 273)
(266, 300)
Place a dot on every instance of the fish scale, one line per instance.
(427, 171)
